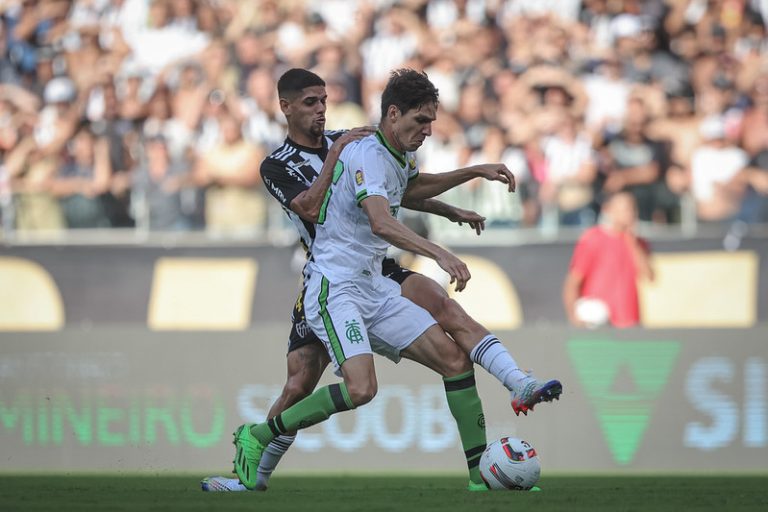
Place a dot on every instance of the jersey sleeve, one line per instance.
(334, 135)
(281, 184)
(368, 173)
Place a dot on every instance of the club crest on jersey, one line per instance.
(359, 177)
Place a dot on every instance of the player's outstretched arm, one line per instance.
(452, 213)
(308, 203)
(399, 235)
(427, 185)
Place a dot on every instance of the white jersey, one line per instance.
(345, 248)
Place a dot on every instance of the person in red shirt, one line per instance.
(606, 264)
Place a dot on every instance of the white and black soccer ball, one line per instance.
(510, 463)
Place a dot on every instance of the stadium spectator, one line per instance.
(499, 208)
(133, 90)
(157, 185)
(234, 203)
(607, 262)
(82, 180)
(571, 168)
(509, 65)
(103, 114)
(608, 93)
(632, 161)
(713, 174)
(29, 171)
(264, 124)
(159, 121)
(754, 127)
(754, 207)
(342, 113)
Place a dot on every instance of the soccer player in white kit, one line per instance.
(349, 305)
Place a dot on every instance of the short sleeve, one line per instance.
(368, 173)
(281, 184)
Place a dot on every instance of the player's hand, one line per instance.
(456, 268)
(496, 172)
(474, 219)
(353, 134)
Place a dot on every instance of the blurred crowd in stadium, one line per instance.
(157, 113)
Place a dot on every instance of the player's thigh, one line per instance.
(334, 316)
(403, 329)
(396, 321)
(438, 352)
(424, 292)
(449, 314)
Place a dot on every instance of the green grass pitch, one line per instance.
(372, 493)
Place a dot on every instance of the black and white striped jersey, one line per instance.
(289, 171)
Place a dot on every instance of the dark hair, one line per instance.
(295, 80)
(407, 89)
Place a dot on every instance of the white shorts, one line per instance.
(361, 317)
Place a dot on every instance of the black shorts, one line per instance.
(301, 335)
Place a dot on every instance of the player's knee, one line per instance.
(297, 388)
(362, 392)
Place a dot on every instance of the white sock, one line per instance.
(271, 456)
(493, 356)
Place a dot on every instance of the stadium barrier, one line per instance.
(146, 358)
(129, 399)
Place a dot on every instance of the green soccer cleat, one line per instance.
(248, 452)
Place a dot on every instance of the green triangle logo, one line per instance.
(622, 379)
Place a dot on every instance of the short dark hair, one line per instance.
(407, 89)
(294, 80)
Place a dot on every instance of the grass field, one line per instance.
(371, 493)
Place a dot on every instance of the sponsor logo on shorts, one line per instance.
(353, 332)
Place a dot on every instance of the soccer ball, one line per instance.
(593, 312)
(510, 463)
